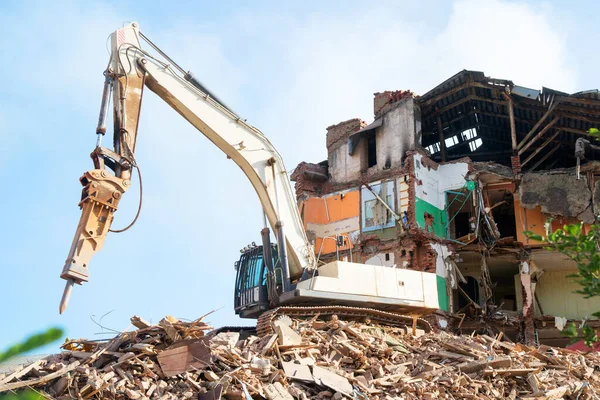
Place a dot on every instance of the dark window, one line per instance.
(462, 225)
(371, 151)
(471, 288)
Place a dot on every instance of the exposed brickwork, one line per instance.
(384, 101)
(307, 177)
(409, 167)
(515, 162)
(341, 131)
(426, 258)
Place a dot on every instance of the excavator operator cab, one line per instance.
(251, 283)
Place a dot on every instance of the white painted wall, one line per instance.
(379, 259)
(436, 182)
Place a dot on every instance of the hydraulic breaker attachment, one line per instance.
(99, 200)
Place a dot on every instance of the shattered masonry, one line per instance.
(448, 182)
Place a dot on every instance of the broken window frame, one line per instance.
(366, 197)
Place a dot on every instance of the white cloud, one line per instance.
(332, 68)
(506, 40)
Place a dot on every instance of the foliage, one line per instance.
(26, 395)
(584, 249)
(31, 343)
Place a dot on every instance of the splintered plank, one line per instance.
(39, 381)
(185, 356)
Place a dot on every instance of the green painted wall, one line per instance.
(439, 217)
(442, 293)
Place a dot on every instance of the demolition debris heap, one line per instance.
(305, 359)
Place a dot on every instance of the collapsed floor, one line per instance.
(305, 359)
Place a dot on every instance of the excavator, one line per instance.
(274, 280)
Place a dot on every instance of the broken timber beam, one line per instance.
(539, 135)
(441, 135)
(540, 148)
(511, 117)
(548, 154)
(578, 100)
(537, 125)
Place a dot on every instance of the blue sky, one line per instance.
(290, 68)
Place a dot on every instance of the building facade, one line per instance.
(448, 182)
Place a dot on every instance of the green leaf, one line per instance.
(594, 131)
(570, 331)
(26, 395)
(32, 342)
(533, 236)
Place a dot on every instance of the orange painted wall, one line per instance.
(327, 210)
(534, 220)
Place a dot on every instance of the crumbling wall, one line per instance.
(343, 167)
(558, 193)
(384, 101)
(443, 270)
(397, 134)
(332, 215)
(309, 179)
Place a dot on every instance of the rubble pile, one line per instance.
(305, 359)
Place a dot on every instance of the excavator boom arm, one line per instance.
(130, 69)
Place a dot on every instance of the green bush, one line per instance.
(33, 342)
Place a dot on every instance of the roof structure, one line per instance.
(471, 112)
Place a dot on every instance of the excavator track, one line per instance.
(264, 326)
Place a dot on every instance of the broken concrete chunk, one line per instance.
(228, 339)
(276, 391)
(286, 335)
(332, 380)
(297, 371)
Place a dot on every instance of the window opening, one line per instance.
(371, 151)
(374, 214)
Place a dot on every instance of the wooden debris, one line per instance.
(287, 336)
(186, 355)
(297, 371)
(311, 359)
(139, 322)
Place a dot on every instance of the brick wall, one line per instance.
(343, 130)
(307, 178)
(515, 162)
(384, 101)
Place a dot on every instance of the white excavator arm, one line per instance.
(130, 69)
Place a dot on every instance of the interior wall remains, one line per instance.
(431, 182)
(555, 291)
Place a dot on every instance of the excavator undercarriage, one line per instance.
(264, 324)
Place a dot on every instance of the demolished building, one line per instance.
(448, 182)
